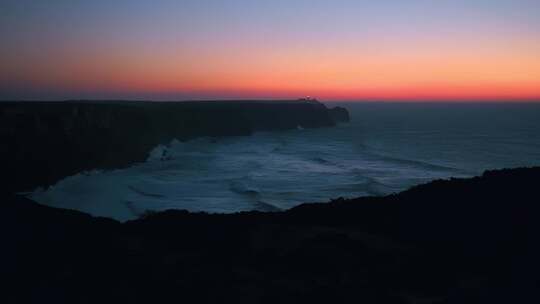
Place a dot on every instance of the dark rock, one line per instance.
(454, 241)
(339, 114)
(43, 142)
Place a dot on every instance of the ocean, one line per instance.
(386, 148)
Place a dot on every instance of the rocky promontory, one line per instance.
(43, 142)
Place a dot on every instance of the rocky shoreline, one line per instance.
(450, 241)
(43, 142)
(453, 241)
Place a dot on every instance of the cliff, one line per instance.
(340, 114)
(42, 142)
(453, 241)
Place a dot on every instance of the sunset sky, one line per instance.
(218, 49)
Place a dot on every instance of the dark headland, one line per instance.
(43, 142)
(454, 241)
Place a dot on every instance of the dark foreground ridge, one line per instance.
(43, 142)
(454, 241)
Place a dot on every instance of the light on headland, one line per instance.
(308, 99)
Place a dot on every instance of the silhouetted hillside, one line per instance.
(455, 241)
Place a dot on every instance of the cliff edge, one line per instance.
(451, 241)
(43, 142)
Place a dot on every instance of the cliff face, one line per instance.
(456, 241)
(43, 142)
(340, 114)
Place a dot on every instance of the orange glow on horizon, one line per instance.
(432, 70)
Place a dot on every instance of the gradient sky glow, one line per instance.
(208, 49)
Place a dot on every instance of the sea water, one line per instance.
(386, 148)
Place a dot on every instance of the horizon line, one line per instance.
(359, 100)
